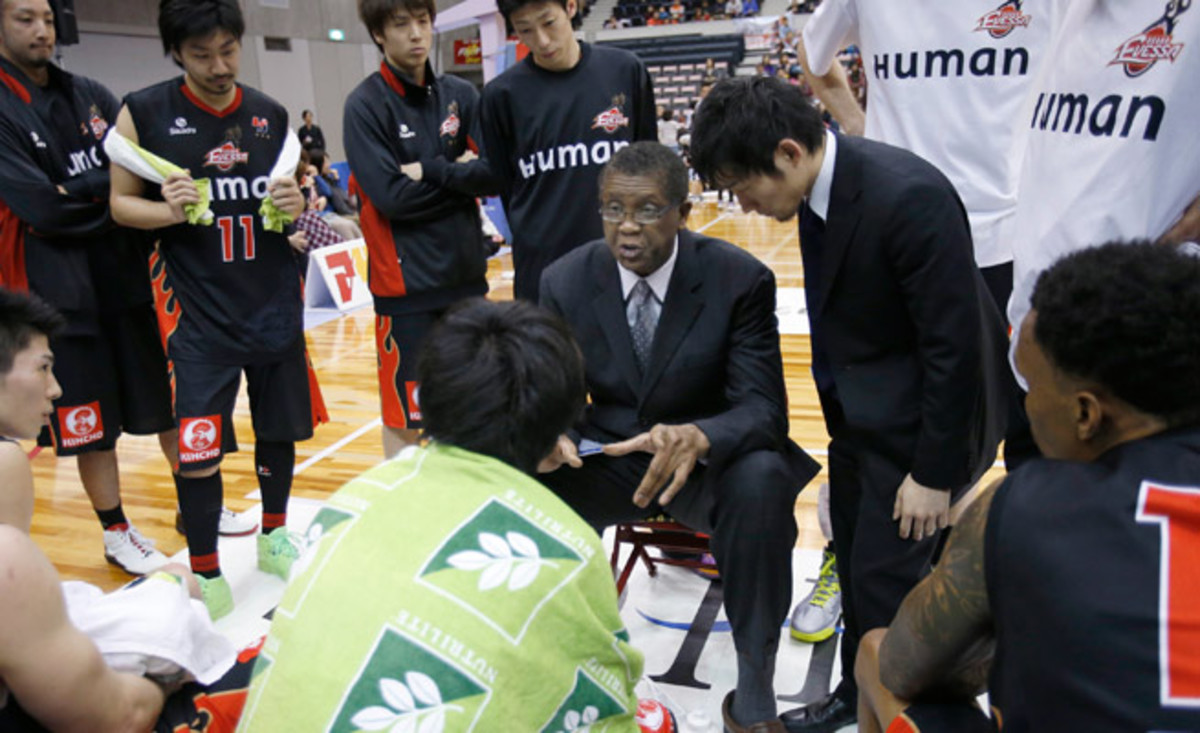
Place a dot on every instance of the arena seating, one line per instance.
(676, 63)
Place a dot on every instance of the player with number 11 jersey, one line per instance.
(237, 284)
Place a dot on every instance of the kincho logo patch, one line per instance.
(501, 567)
(199, 438)
(80, 424)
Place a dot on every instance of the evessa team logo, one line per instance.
(225, 157)
(97, 122)
(199, 438)
(450, 125)
(1156, 43)
(1004, 20)
(80, 425)
(613, 118)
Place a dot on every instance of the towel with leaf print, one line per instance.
(447, 591)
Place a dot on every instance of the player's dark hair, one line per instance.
(1126, 315)
(741, 122)
(22, 315)
(501, 379)
(375, 14)
(305, 113)
(508, 7)
(179, 20)
(651, 160)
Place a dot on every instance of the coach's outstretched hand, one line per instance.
(676, 449)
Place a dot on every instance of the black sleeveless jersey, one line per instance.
(1093, 574)
(237, 284)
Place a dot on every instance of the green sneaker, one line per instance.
(218, 598)
(278, 550)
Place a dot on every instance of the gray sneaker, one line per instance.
(815, 618)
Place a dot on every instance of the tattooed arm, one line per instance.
(940, 644)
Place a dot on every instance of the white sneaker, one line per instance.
(232, 523)
(132, 552)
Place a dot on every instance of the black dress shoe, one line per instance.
(825, 716)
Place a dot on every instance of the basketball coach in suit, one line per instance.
(908, 349)
(681, 351)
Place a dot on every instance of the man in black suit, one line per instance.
(908, 350)
(681, 349)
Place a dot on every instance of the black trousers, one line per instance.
(876, 568)
(747, 509)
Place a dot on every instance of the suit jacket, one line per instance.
(915, 344)
(714, 362)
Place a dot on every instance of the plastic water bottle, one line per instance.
(698, 721)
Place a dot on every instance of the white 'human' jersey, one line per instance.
(945, 80)
(1113, 124)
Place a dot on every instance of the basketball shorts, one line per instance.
(205, 393)
(942, 718)
(215, 708)
(114, 378)
(398, 341)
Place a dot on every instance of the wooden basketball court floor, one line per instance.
(659, 611)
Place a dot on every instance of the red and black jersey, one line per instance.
(1092, 580)
(236, 284)
(547, 135)
(56, 235)
(424, 237)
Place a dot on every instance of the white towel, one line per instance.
(153, 627)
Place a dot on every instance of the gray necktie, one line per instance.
(642, 313)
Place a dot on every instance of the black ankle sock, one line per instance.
(200, 505)
(112, 517)
(275, 463)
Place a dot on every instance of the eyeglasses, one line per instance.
(645, 214)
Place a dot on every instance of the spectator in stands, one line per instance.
(652, 16)
(676, 12)
(713, 73)
(328, 185)
(733, 8)
(668, 128)
(310, 134)
(614, 22)
(749, 8)
(664, 15)
(311, 230)
(705, 11)
(499, 383)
